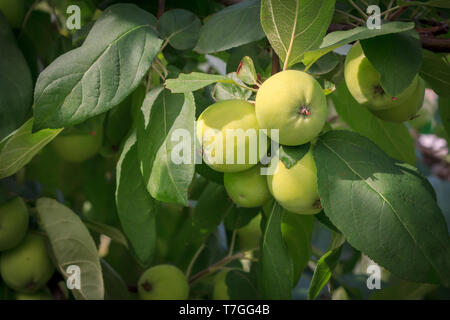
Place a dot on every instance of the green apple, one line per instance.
(425, 116)
(163, 282)
(250, 235)
(363, 82)
(27, 267)
(294, 103)
(220, 286)
(407, 109)
(247, 188)
(14, 11)
(40, 295)
(78, 147)
(13, 223)
(220, 119)
(295, 188)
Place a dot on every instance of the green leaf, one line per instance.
(393, 138)
(403, 291)
(194, 81)
(17, 149)
(289, 155)
(231, 27)
(294, 27)
(212, 206)
(113, 233)
(246, 71)
(325, 267)
(180, 28)
(336, 39)
(276, 269)
(444, 113)
(323, 219)
(230, 91)
(241, 285)
(297, 231)
(115, 286)
(97, 76)
(383, 208)
(240, 217)
(135, 206)
(398, 68)
(163, 115)
(436, 73)
(72, 245)
(16, 88)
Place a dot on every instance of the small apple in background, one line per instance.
(363, 82)
(78, 146)
(229, 115)
(249, 236)
(407, 109)
(163, 282)
(27, 267)
(13, 223)
(14, 11)
(220, 286)
(293, 102)
(295, 189)
(247, 188)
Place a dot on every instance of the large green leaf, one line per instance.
(135, 206)
(163, 115)
(398, 68)
(294, 27)
(72, 245)
(393, 138)
(231, 27)
(336, 39)
(241, 285)
(276, 269)
(384, 208)
(180, 28)
(16, 88)
(17, 149)
(194, 81)
(95, 77)
(436, 73)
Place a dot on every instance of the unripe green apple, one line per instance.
(294, 103)
(232, 116)
(407, 109)
(295, 189)
(250, 235)
(247, 188)
(14, 11)
(163, 282)
(220, 286)
(78, 147)
(13, 223)
(27, 267)
(363, 82)
(40, 295)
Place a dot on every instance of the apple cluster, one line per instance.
(25, 265)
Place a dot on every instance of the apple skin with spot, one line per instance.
(295, 189)
(13, 223)
(247, 188)
(220, 291)
(163, 282)
(408, 109)
(27, 267)
(363, 82)
(229, 115)
(78, 147)
(294, 103)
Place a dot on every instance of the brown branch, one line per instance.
(397, 13)
(161, 8)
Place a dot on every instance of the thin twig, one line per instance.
(194, 258)
(363, 14)
(233, 241)
(161, 8)
(27, 16)
(350, 16)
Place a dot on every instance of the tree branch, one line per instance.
(161, 8)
